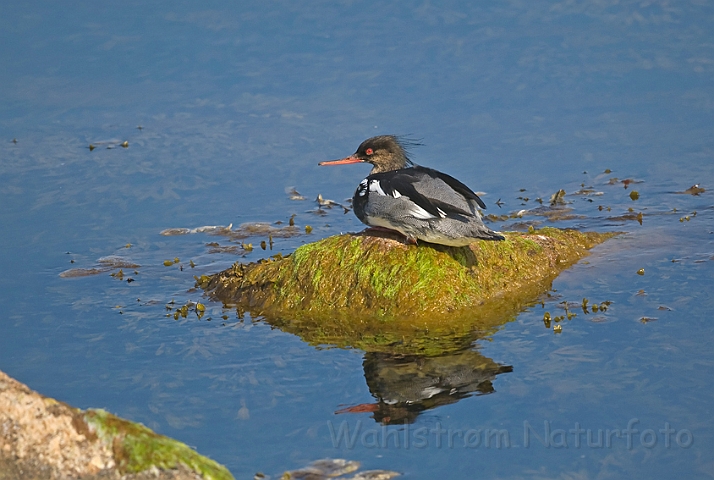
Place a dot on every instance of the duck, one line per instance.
(419, 202)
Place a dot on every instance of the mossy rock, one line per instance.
(136, 448)
(50, 439)
(368, 290)
(364, 274)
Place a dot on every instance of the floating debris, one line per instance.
(323, 202)
(628, 216)
(558, 198)
(206, 229)
(693, 190)
(626, 182)
(110, 144)
(82, 272)
(497, 218)
(217, 248)
(263, 229)
(293, 194)
(588, 191)
(107, 264)
(114, 261)
(245, 230)
(556, 213)
(333, 468)
(587, 307)
(182, 312)
(641, 271)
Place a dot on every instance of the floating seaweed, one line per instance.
(106, 264)
(293, 194)
(693, 190)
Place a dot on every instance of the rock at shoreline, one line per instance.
(41, 438)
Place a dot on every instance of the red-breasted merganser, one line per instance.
(419, 202)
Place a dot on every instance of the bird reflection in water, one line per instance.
(406, 385)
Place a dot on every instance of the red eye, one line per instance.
(369, 151)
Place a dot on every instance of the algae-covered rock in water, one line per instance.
(363, 276)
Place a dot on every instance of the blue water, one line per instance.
(236, 102)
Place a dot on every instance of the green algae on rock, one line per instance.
(137, 448)
(45, 438)
(367, 276)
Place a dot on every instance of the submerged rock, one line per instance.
(364, 290)
(41, 438)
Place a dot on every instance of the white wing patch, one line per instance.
(417, 212)
(413, 209)
(375, 187)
